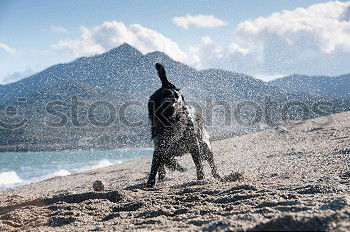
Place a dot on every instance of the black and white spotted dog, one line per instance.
(177, 128)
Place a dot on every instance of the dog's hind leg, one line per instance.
(209, 156)
(214, 169)
(197, 159)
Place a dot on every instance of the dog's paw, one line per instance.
(150, 184)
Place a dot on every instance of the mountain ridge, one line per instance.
(324, 86)
(119, 76)
(125, 52)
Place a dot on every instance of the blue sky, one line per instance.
(35, 34)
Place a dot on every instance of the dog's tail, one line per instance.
(163, 78)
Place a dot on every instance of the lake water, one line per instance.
(22, 168)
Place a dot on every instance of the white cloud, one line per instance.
(208, 54)
(59, 29)
(7, 48)
(207, 21)
(326, 25)
(16, 76)
(112, 34)
(236, 48)
(313, 40)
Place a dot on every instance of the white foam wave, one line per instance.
(101, 164)
(136, 149)
(9, 178)
(61, 172)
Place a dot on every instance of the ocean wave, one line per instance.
(9, 178)
(101, 164)
(136, 149)
(61, 172)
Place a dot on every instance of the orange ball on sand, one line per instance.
(98, 186)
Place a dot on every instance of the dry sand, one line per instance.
(293, 178)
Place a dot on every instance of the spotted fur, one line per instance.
(177, 129)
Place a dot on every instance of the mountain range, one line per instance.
(324, 86)
(124, 78)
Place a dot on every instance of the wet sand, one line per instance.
(282, 178)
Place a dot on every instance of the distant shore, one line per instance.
(60, 147)
(65, 147)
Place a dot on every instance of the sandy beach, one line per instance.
(292, 177)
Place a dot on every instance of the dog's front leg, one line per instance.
(161, 172)
(154, 169)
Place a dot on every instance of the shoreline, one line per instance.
(15, 176)
(61, 147)
(291, 179)
(2, 150)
